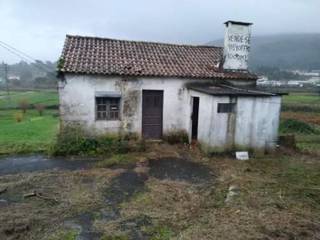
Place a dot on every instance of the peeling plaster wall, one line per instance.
(253, 125)
(77, 101)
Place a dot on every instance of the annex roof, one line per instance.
(227, 90)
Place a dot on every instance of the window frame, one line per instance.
(226, 108)
(107, 111)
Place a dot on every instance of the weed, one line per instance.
(160, 233)
(141, 145)
(176, 136)
(65, 235)
(73, 140)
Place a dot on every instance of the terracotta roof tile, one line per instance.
(92, 55)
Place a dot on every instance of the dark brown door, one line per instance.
(152, 108)
(195, 118)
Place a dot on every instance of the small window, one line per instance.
(226, 107)
(107, 108)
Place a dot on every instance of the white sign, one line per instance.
(242, 155)
(237, 46)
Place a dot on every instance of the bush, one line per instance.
(295, 126)
(72, 140)
(40, 108)
(176, 136)
(18, 117)
(24, 105)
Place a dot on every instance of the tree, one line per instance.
(24, 104)
(40, 108)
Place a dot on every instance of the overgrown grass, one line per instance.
(176, 136)
(33, 134)
(288, 180)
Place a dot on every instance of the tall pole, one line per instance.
(6, 79)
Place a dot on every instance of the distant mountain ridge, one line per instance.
(285, 51)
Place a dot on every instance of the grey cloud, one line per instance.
(39, 27)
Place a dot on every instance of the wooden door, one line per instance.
(152, 111)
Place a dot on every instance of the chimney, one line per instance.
(236, 46)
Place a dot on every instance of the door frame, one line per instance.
(142, 112)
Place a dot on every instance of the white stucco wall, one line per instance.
(254, 125)
(77, 101)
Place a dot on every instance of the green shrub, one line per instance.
(107, 144)
(72, 140)
(122, 146)
(176, 136)
(18, 117)
(295, 126)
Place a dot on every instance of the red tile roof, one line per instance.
(92, 55)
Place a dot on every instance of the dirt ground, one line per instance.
(171, 192)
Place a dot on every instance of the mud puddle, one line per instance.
(33, 163)
(121, 189)
(179, 169)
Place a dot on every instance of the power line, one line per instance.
(17, 50)
(23, 56)
(14, 53)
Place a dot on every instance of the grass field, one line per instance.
(304, 107)
(46, 97)
(34, 133)
(302, 98)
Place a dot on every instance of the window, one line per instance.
(226, 107)
(107, 108)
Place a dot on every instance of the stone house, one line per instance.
(116, 86)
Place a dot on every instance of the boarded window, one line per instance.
(107, 108)
(226, 107)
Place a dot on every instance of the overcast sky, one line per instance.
(38, 27)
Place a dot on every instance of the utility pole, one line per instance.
(6, 79)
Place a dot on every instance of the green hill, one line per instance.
(285, 51)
